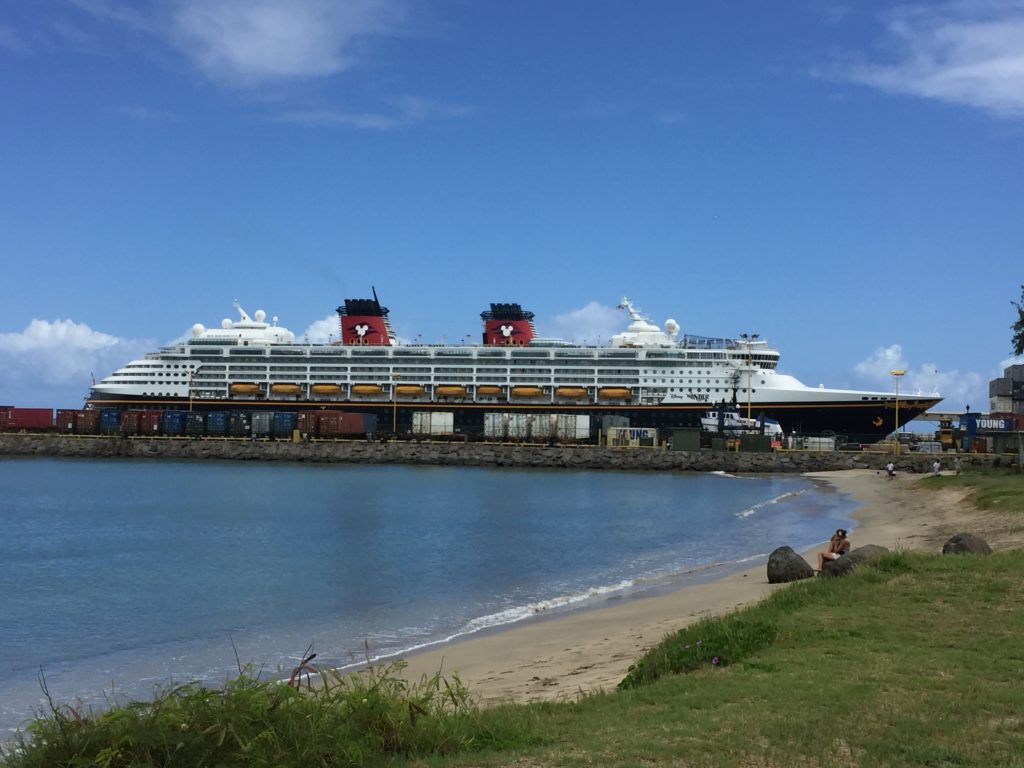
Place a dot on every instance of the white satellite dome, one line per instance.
(198, 329)
(260, 315)
(225, 323)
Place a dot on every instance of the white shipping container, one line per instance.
(262, 423)
(631, 437)
(495, 425)
(433, 422)
(819, 443)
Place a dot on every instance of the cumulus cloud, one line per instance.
(322, 331)
(958, 388)
(249, 42)
(595, 323)
(63, 352)
(967, 52)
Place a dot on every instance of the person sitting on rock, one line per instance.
(838, 546)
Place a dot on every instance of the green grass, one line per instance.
(916, 660)
(995, 488)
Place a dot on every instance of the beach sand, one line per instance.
(562, 657)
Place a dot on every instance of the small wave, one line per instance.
(767, 502)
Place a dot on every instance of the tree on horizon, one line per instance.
(1018, 327)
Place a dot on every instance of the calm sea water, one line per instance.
(120, 576)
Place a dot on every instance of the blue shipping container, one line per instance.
(110, 421)
(217, 423)
(173, 422)
(284, 423)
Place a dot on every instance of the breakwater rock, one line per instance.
(457, 454)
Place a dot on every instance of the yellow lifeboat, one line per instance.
(245, 389)
(449, 390)
(326, 389)
(574, 392)
(488, 389)
(285, 389)
(527, 391)
(409, 390)
(367, 389)
(615, 393)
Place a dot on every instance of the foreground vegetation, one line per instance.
(916, 660)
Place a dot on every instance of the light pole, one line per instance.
(394, 403)
(896, 373)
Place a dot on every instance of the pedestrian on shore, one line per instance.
(890, 470)
(936, 468)
(956, 464)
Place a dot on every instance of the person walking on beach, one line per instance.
(838, 546)
(956, 464)
(890, 470)
(936, 468)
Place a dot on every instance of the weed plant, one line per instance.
(355, 719)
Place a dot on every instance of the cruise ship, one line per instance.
(650, 375)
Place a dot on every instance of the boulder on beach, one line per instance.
(852, 559)
(966, 544)
(786, 565)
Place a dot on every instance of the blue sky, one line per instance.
(843, 179)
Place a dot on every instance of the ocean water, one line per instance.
(117, 576)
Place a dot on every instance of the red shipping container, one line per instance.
(308, 421)
(131, 422)
(149, 422)
(330, 425)
(30, 418)
(352, 424)
(88, 422)
(66, 420)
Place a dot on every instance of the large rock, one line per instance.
(852, 559)
(786, 565)
(966, 544)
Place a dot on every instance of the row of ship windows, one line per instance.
(466, 356)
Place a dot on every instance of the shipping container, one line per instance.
(308, 422)
(149, 422)
(819, 443)
(632, 437)
(238, 424)
(195, 425)
(262, 423)
(217, 423)
(88, 422)
(433, 422)
(686, 439)
(284, 423)
(110, 421)
(327, 424)
(611, 421)
(173, 423)
(29, 418)
(65, 421)
(131, 422)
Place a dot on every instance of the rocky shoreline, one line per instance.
(466, 454)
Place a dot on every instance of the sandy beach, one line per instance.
(590, 650)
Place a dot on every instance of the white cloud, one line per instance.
(322, 331)
(966, 52)
(595, 323)
(958, 388)
(10, 40)
(405, 110)
(249, 42)
(64, 352)
(145, 114)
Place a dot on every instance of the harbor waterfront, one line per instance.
(467, 454)
(122, 575)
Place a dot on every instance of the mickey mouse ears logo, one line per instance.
(361, 329)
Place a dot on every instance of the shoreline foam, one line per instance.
(590, 650)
